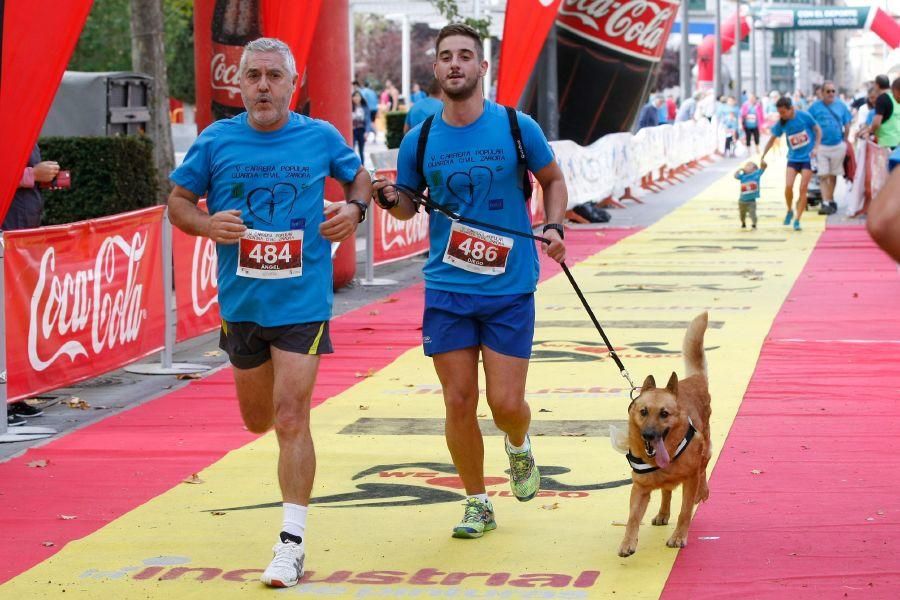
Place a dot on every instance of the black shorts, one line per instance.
(752, 134)
(248, 344)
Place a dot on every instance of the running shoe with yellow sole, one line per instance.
(524, 476)
(477, 519)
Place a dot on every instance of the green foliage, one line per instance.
(105, 42)
(110, 175)
(394, 122)
(450, 10)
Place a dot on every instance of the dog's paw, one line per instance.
(627, 549)
(660, 519)
(677, 541)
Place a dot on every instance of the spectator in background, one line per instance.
(671, 108)
(424, 108)
(886, 123)
(359, 116)
(662, 112)
(649, 116)
(371, 99)
(751, 119)
(834, 119)
(417, 94)
(729, 121)
(707, 106)
(866, 113)
(688, 108)
(390, 97)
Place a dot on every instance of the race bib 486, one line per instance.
(477, 251)
(271, 254)
(798, 140)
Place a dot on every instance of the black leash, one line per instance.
(428, 203)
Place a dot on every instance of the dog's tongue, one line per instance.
(662, 455)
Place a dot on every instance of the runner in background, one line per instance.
(264, 172)
(803, 136)
(479, 285)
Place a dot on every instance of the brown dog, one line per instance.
(669, 443)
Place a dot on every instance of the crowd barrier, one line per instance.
(871, 175)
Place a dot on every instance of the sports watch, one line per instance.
(363, 207)
(557, 228)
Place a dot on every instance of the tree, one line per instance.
(450, 10)
(148, 55)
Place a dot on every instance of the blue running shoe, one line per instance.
(797, 225)
(788, 217)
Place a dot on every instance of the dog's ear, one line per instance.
(672, 386)
(649, 383)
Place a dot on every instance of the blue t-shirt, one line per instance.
(730, 116)
(800, 133)
(277, 180)
(832, 119)
(749, 184)
(472, 170)
(423, 109)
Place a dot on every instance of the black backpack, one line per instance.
(517, 140)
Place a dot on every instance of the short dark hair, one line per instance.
(883, 82)
(459, 29)
(783, 102)
(895, 85)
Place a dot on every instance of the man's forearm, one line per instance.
(184, 214)
(883, 219)
(556, 200)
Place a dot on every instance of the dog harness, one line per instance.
(639, 466)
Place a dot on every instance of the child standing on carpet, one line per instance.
(749, 177)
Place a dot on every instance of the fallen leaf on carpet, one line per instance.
(481, 416)
(38, 464)
(76, 402)
(572, 434)
(363, 407)
(708, 537)
(217, 513)
(47, 544)
(213, 353)
(368, 373)
(545, 410)
(187, 376)
(756, 471)
(374, 313)
(193, 479)
(67, 517)
(390, 300)
(553, 506)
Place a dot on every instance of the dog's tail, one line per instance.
(694, 356)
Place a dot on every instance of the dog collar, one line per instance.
(639, 466)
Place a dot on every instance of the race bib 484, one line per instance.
(271, 254)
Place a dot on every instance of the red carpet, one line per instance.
(820, 420)
(107, 469)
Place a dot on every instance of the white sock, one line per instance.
(482, 497)
(519, 449)
(294, 519)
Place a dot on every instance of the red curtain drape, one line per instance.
(38, 39)
(293, 22)
(524, 32)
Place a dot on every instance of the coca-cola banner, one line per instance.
(222, 29)
(395, 239)
(196, 288)
(82, 299)
(524, 31)
(38, 37)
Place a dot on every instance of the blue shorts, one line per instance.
(800, 165)
(454, 321)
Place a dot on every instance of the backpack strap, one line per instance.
(420, 151)
(520, 151)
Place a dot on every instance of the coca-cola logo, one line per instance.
(106, 299)
(225, 71)
(203, 276)
(397, 233)
(635, 27)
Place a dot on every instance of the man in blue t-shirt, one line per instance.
(263, 173)
(479, 283)
(425, 107)
(803, 136)
(834, 118)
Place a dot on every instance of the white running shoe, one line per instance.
(286, 567)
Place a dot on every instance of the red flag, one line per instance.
(882, 24)
(526, 27)
(38, 38)
(293, 23)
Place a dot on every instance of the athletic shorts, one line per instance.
(799, 166)
(752, 134)
(249, 344)
(830, 159)
(453, 321)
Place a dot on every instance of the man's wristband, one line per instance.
(363, 207)
(556, 227)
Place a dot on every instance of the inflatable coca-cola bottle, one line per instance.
(235, 22)
(607, 52)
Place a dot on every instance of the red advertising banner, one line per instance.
(196, 286)
(82, 299)
(525, 28)
(37, 38)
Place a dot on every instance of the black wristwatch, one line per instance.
(556, 227)
(363, 207)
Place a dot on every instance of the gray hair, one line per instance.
(270, 45)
